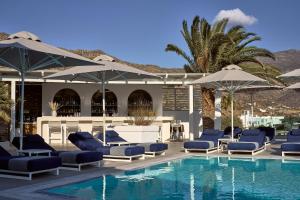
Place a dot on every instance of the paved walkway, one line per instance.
(22, 189)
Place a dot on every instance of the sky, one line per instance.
(139, 30)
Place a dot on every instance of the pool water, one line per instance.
(195, 178)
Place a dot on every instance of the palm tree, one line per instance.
(211, 48)
(5, 103)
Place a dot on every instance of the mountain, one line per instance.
(285, 60)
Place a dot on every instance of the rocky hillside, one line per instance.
(285, 60)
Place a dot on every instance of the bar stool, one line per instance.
(55, 131)
(97, 127)
(71, 127)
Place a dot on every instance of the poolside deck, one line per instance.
(21, 189)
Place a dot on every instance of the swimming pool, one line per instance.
(195, 178)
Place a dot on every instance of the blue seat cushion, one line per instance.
(242, 146)
(134, 150)
(32, 142)
(211, 135)
(293, 135)
(198, 145)
(84, 135)
(290, 147)
(111, 136)
(155, 147)
(4, 153)
(4, 161)
(80, 156)
(253, 135)
(33, 163)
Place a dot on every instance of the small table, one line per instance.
(223, 142)
(30, 152)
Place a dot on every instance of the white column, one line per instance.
(218, 109)
(191, 112)
(13, 110)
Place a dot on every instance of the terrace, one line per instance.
(18, 189)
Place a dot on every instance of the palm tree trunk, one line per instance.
(208, 108)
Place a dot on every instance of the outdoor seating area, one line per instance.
(108, 100)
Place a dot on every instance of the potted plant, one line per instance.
(142, 129)
(54, 106)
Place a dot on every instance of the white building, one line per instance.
(170, 97)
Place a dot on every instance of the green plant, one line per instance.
(5, 103)
(226, 121)
(211, 48)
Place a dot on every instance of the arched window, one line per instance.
(139, 100)
(111, 103)
(69, 102)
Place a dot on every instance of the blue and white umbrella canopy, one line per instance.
(103, 72)
(25, 52)
(231, 78)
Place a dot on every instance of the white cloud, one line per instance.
(236, 17)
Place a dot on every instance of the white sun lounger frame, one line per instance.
(123, 158)
(25, 175)
(77, 166)
(207, 151)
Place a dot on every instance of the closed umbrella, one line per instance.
(25, 52)
(102, 73)
(231, 78)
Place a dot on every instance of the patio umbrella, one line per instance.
(102, 73)
(25, 52)
(294, 86)
(294, 73)
(231, 78)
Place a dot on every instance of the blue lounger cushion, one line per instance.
(35, 163)
(29, 164)
(249, 146)
(199, 145)
(250, 140)
(126, 150)
(154, 147)
(208, 139)
(74, 157)
(293, 141)
(91, 144)
(111, 136)
(78, 157)
(293, 146)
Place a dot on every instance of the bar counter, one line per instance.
(85, 124)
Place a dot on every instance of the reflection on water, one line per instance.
(195, 178)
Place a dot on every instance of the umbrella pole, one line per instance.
(231, 93)
(103, 107)
(22, 110)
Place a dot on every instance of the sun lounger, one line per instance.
(72, 160)
(151, 149)
(86, 142)
(270, 134)
(292, 146)
(208, 142)
(236, 132)
(23, 167)
(251, 141)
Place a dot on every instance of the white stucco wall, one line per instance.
(86, 91)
